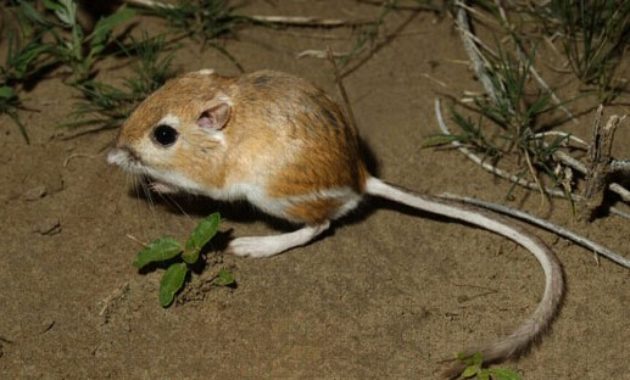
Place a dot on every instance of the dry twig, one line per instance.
(320, 54)
(112, 302)
(404, 7)
(612, 165)
(598, 167)
(523, 57)
(135, 239)
(503, 174)
(76, 155)
(473, 53)
(342, 89)
(558, 230)
(470, 45)
(487, 166)
(281, 20)
(307, 21)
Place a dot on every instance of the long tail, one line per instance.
(517, 341)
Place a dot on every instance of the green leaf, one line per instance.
(470, 371)
(477, 359)
(202, 234)
(504, 374)
(437, 140)
(6, 92)
(51, 5)
(483, 375)
(104, 26)
(172, 282)
(65, 10)
(158, 250)
(224, 278)
(33, 15)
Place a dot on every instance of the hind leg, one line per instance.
(266, 246)
(314, 211)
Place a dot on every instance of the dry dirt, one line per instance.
(386, 294)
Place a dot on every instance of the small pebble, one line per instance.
(47, 325)
(35, 193)
(47, 226)
(463, 298)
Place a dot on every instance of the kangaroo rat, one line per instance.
(282, 144)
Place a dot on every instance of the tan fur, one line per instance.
(283, 111)
(183, 97)
(284, 135)
(314, 212)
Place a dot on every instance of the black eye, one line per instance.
(165, 135)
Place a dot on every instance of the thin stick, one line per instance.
(150, 4)
(480, 70)
(342, 89)
(620, 165)
(307, 21)
(558, 230)
(482, 17)
(472, 51)
(563, 134)
(489, 167)
(620, 190)
(568, 160)
(76, 155)
(532, 171)
(430, 77)
(282, 20)
(523, 57)
(320, 54)
(618, 212)
(546, 87)
(503, 174)
(135, 239)
(598, 168)
(402, 7)
(480, 43)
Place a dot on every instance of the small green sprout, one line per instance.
(474, 369)
(205, 231)
(185, 256)
(75, 49)
(9, 104)
(204, 20)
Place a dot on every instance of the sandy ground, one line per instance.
(385, 294)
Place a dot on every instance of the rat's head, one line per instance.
(176, 137)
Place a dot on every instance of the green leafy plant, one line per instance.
(107, 106)
(26, 57)
(594, 35)
(39, 42)
(9, 104)
(181, 258)
(74, 48)
(507, 123)
(474, 370)
(203, 19)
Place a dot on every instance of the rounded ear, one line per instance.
(215, 117)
